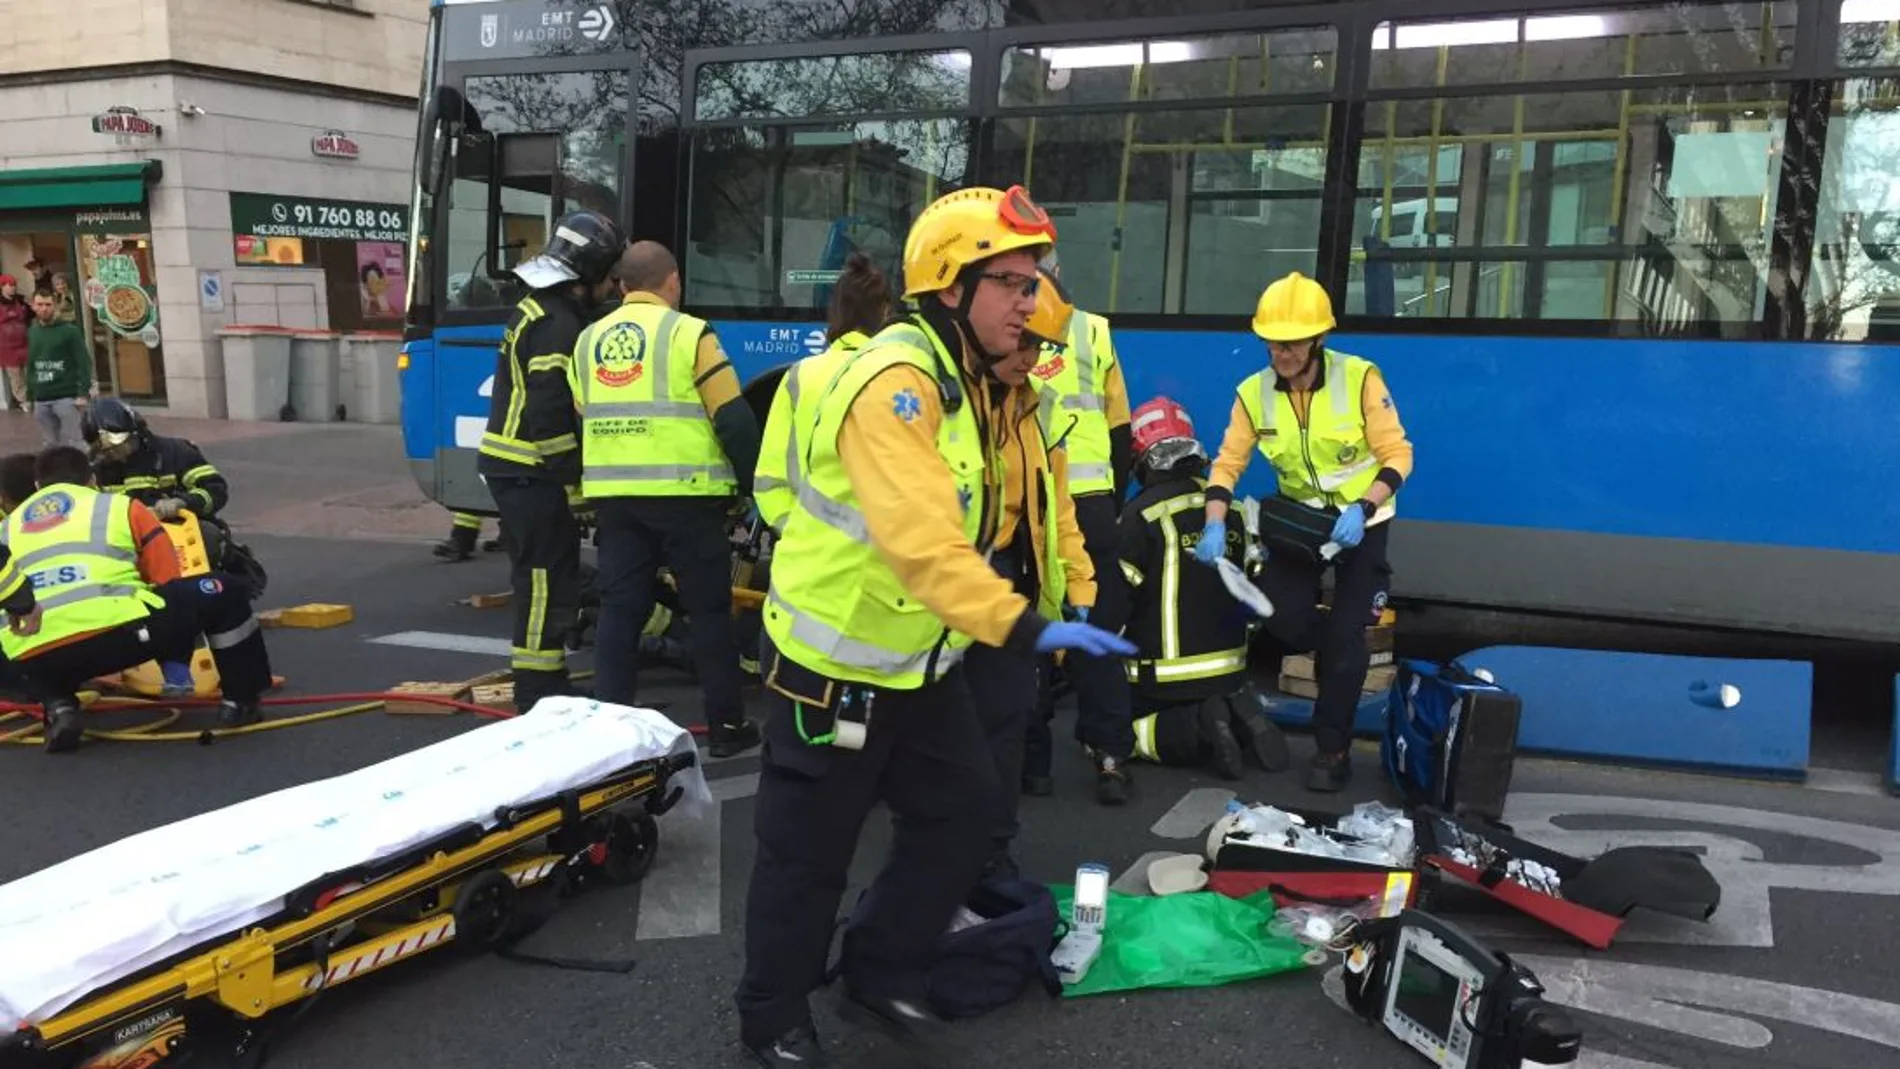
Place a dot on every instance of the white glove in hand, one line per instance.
(169, 508)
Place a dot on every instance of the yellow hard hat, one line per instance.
(1050, 321)
(1293, 309)
(960, 228)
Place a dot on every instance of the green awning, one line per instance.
(105, 185)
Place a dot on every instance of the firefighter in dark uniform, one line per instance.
(668, 445)
(530, 455)
(1193, 698)
(168, 476)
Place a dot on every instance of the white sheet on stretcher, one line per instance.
(67, 931)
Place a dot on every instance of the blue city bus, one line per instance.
(1629, 269)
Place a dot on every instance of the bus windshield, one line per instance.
(532, 147)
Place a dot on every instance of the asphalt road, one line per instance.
(1828, 922)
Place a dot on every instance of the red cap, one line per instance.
(6, 279)
(1157, 421)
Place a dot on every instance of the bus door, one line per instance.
(530, 140)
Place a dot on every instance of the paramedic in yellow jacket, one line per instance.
(1083, 401)
(860, 303)
(880, 588)
(1039, 548)
(1326, 422)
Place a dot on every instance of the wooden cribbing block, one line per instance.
(308, 616)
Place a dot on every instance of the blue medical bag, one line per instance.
(1450, 739)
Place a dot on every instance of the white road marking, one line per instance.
(1193, 814)
(1844, 781)
(1134, 881)
(1596, 1059)
(681, 895)
(1663, 998)
(1744, 917)
(1333, 985)
(448, 642)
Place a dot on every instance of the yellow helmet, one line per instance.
(1293, 309)
(1050, 321)
(960, 228)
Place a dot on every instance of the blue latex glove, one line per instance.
(1083, 638)
(1351, 526)
(1213, 543)
(1082, 613)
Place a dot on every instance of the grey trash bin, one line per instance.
(256, 371)
(314, 374)
(373, 356)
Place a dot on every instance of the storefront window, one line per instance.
(98, 266)
(353, 253)
(120, 293)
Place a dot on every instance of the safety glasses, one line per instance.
(1027, 285)
(1024, 215)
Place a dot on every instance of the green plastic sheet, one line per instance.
(1201, 939)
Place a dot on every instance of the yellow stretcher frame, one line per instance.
(389, 912)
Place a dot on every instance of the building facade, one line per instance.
(181, 166)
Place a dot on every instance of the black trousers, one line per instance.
(1104, 715)
(688, 535)
(1361, 581)
(924, 757)
(1003, 684)
(216, 605)
(544, 557)
(1177, 735)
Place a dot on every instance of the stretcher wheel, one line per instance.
(484, 911)
(631, 844)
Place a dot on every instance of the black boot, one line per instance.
(1111, 780)
(458, 546)
(63, 726)
(728, 740)
(1259, 736)
(533, 685)
(1218, 737)
(797, 1048)
(235, 714)
(1329, 772)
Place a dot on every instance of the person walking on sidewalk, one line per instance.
(59, 374)
(16, 315)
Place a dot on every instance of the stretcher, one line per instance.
(182, 940)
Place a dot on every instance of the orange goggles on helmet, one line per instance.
(1024, 215)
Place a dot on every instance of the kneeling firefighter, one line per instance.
(169, 476)
(91, 586)
(1327, 424)
(879, 590)
(1193, 699)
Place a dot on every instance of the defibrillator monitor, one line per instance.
(1431, 997)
